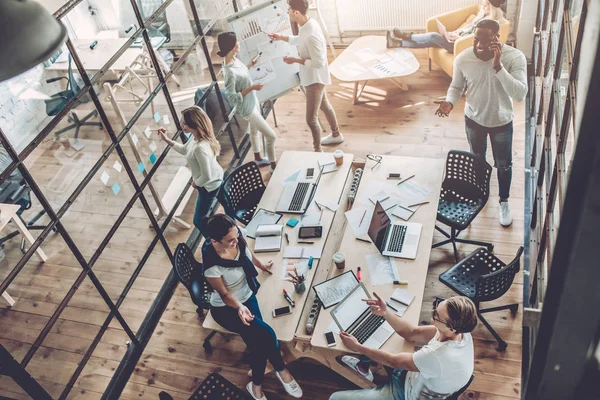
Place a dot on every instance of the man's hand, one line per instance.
(245, 315)
(275, 36)
(496, 49)
(444, 108)
(266, 267)
(349, 341)
(377, 306)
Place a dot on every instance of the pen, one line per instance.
(363, 240)
(358, 273)
(412, 176)
(320, 216)
(419, 204)
(287, 238)
(305, 242)
(363, 217)
(288, 298)
(318, 206)
(393, 308)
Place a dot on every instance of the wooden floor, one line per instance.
(388, 121)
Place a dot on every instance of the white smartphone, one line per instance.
(310, 172)
(278, 312)
(330, 339)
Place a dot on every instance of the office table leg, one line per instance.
(27, 235)
(356, 92)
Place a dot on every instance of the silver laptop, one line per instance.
(296, 196)
(353, 315)
(393, 239)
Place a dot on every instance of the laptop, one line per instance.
(296, 196)
(393, 239)
(353, 315)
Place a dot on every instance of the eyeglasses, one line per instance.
(375, 158)
(434, 314)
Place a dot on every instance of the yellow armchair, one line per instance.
(452, 20)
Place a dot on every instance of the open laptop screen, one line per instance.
(351, 307)
(379, 224)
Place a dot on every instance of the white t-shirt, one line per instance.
(444, 368)
(235, 280)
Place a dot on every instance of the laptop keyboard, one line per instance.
(299, 195)
(367, 328)
(397, 238)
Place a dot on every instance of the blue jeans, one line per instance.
(204, 201)
(426, 40)
(393, 390)
(501, 139)
(259, 337)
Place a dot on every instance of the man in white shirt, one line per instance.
(493, 74)
(314, 72)
(440, 368)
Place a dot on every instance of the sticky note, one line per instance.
(104, 177)
(117, 165)
(140, 167)
(292, 222)
(134, 138)
(152, 146)
(156, 117)
(147, 132)
(116, 188)
(152, 158)
(166, 119)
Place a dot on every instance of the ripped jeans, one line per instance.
(501, 139)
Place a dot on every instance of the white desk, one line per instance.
(94, 60)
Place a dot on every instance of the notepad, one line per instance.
(262, 217)
(402, 299)
(268, 238)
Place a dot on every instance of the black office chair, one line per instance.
(213, 387)
(212, 107)
(242, 190)
(482, 276)
(189, 272)
(59, 100)
(465, 190)
(462, 390)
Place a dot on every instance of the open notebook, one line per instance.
(401, 299)
(268, 238)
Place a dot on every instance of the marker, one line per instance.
(288, 298)
(358, 273)
(300, 242)
(363, 240)
(310, 262)
(400, 282)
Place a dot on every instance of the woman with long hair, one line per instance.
(489, 9)
(201, 153)
(230, 268)
(241, 92)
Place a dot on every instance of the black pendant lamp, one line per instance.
(29, 35)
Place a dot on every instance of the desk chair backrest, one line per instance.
(189, 273)
(242, 190)
(59, 100)
(467, 176)
(462, 390)
(493, 285)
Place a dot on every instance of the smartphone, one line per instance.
(278, 312)
(308, 232)
(310, 172)
(330, 339)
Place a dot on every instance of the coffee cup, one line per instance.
(338, 155)
(339, 260)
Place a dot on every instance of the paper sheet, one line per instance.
(301, 265)
(387, 202)
(382, 270)
(353, 69)
(400, 54)
(310, 219)
(313, 251)
(354, 218)
(403, 212)
(157, 117)
(134, 138)
(147, 132)
(263, 73)
(401, 300)
(411, 192)
(366, 55)
(117, 165)
(152, 146)
(333, 206)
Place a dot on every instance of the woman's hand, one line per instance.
(245, 315)
(162, 132)
(194, 185)
(266, 267)
(349, 341)
(377, 306)
(257, 86)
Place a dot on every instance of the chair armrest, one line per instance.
(462, 44)
(452, 19)
(56, 79)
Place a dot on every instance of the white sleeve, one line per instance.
(213, 272)
(427, 362)
(457, 87)
(293, 40)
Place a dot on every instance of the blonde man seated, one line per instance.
(489, 9)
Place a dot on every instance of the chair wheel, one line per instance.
(207, 347)
(502, 346)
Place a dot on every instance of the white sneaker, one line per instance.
(264, 161)
(292, 388)
(330, 139)
(352, 362)
(504, 214)
(249, 389)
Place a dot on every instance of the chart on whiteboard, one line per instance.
(278, 24)
(251, 28)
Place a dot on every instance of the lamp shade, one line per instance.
(29, 35)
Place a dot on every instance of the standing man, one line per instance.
(494, 75)
(314, 72)
(440, 368)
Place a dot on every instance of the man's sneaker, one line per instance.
(504, 214)
(352, 362)
(330, 139)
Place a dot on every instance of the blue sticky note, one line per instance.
(116, 188)
(141, 167)
(156, 117)
(152, 158)
(292, 222)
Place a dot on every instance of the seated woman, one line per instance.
(229, 267)
(488, 9)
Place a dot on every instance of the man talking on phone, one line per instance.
(493, 74)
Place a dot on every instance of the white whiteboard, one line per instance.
(249, 25)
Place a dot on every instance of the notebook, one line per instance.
(262, 217)
(401, 300)
(268, 238)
